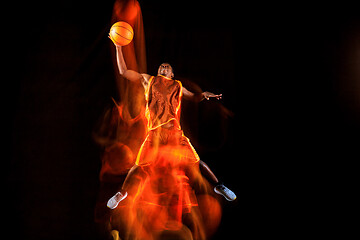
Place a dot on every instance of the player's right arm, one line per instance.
(129, 74)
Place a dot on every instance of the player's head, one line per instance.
(166, 70)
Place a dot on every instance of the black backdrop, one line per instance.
(289, 76)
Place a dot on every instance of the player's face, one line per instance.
(165, 69)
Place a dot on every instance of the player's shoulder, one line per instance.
(146, 76)
(178, 81)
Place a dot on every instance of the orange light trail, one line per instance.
(169, 198)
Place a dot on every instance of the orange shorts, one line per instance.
(166, 146)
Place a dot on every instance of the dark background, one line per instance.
(289, 75)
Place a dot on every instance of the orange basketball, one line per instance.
(121, 33)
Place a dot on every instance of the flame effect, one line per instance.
(165, 198)
(169, 198)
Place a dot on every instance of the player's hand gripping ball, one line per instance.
(121, 33)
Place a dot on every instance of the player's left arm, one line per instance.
(200, 96)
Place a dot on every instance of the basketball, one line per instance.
(121, 33)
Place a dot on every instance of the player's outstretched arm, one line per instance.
(126, 73)
(201, 96)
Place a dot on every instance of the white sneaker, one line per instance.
(227, 193)
(114, 201)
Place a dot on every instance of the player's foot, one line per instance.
(224, 191)
(114, 201)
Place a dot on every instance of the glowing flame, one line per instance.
(163, 202)
(168, 197)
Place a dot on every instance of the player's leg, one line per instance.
(122, 194)
(207, 173)
(136, 173)
(133, 178)
(219, 187)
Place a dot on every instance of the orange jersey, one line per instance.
(163, 97)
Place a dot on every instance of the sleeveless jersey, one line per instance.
(163, 97)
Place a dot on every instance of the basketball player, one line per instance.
(163, 99)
